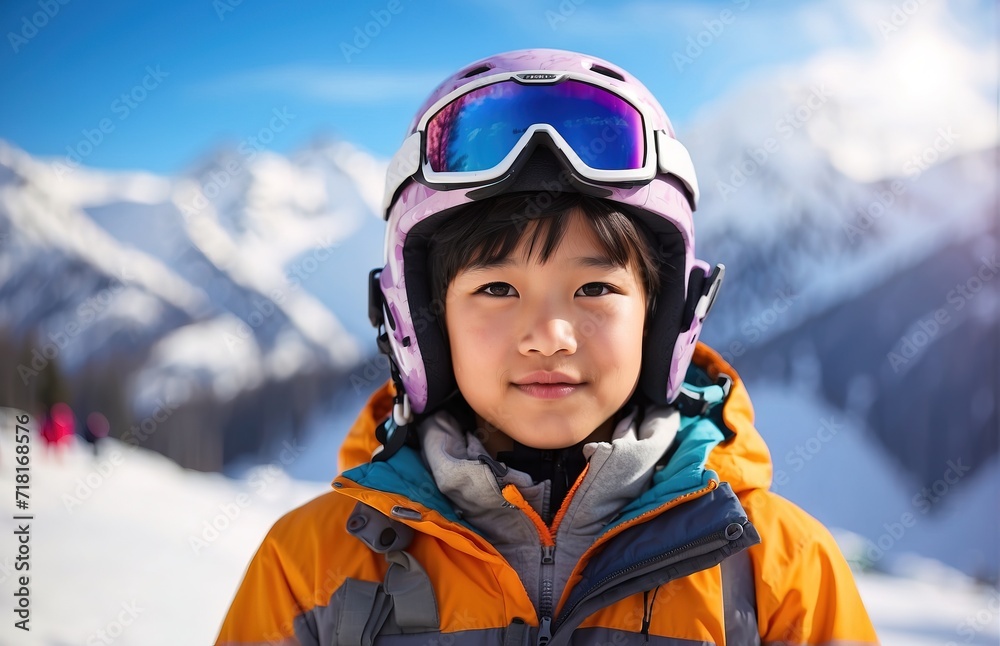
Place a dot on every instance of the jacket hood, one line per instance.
(743, 459)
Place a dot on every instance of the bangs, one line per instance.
(542, 233)
(490, 231)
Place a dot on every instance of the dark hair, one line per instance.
(490, 230)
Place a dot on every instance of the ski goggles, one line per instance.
(474, 135)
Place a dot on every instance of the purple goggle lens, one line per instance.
(476, 131)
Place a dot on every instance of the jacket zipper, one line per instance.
(673, 555)
(546, 576)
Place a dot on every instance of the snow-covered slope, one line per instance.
(170, 257)
(826, 462)
(130, 546)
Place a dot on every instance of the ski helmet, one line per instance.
(580, 124)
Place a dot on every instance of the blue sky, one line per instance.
(196, 74)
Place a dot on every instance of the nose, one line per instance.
(548, 335)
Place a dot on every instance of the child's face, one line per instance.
(548, 353)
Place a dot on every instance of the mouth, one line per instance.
(548, 385)
(548, 391)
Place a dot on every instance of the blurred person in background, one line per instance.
(58, 427)
(96, 429)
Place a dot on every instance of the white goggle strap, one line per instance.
(403, 165)
(673, 158)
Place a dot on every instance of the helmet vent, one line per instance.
(477, 70)
(600, 69)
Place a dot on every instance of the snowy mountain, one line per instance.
(204, 289)
(880, 293)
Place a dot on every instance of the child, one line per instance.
(556, 460)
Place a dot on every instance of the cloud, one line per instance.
(326, 84)
(921, 74)
(902, 83)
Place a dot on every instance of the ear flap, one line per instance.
(674, 331)
(663, 324)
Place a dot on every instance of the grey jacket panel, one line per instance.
(619, 471)
(739, 600)
(606, 588)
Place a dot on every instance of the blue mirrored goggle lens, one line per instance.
(477, 130)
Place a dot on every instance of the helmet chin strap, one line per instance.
(392, 433)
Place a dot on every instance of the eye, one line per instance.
(498, 290)
(594, 289)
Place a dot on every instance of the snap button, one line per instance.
(356, 522)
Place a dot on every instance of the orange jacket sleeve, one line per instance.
(806, 592)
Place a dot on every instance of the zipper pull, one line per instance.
(544, 631)
(548, 554)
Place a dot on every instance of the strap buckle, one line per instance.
(695, 401)
(711, 291)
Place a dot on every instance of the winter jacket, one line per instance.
(705, 554)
